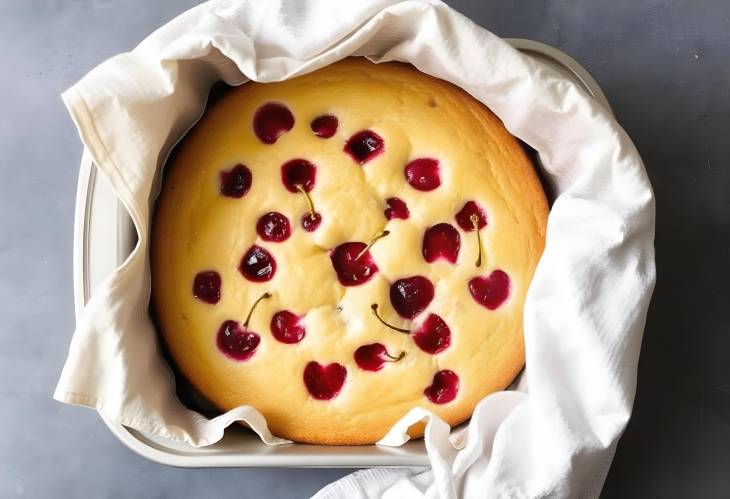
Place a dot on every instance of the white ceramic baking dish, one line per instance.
(104, 236)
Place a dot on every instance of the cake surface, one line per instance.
(344, 339)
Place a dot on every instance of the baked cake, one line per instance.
(341, 247)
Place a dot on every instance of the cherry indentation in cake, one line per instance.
(423, 174)
(287, 327)
(207, 286)
(411, 295)
(298, 175)
(364, 146)
(372, 357)
(465, 216)
(490, 291)
(433, 335)
(444, 387)
(235, 182)
(324, 126)
(271, 121)
(274, 227)
(324, 382)
(236, 342)
(397, 208)
(257, 264)
(353, 263)
(311, 221)
(441, 241)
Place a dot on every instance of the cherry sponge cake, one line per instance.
(337, 249)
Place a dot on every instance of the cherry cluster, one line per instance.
(351, 261)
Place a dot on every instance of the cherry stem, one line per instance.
(377, 237)
(250, 312)
(394, 359)
(374, 308)
(475, 223)
(309, 199)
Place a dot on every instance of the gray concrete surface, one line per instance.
(664, 67)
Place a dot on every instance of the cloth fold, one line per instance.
(586, 306)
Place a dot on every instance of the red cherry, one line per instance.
(423, 174)
(444, 387)
(271, 121)
(236, 342)
(433, 336)
(364, 146)
(372, 357)
(464, 217)
(286, 327)
(397, 208)
(324, 382)
(273, 227)
(207, 286)
(324, 126)
(257, 264)
(471, 218)
(239, 342)
(410, 296)
(298, 174)
(490, 291)
(441, 241)
(353, 267)
(235, 182)
(310, 222)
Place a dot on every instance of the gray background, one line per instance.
(664, 67)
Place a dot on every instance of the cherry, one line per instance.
(324, 382)
(257, 265)
(441, 241)
(352, 269)
(353, 263)
(432, 336)
(465, 220)
(235, 182)
(397, 208)
(286, 327)
(271, 121)
(372, 357)
(410, 296)
(310, 221)
(274, 227)
(423, 174)
(470, 218)
(444, 387)
(298, 175)
(239, 343)
(364, 146)
(207, 286)
(324, 126)
(490, 291)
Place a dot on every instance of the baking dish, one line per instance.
(103, 238)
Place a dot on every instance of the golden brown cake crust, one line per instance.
(197, 229)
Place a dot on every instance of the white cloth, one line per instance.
(585, 309)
